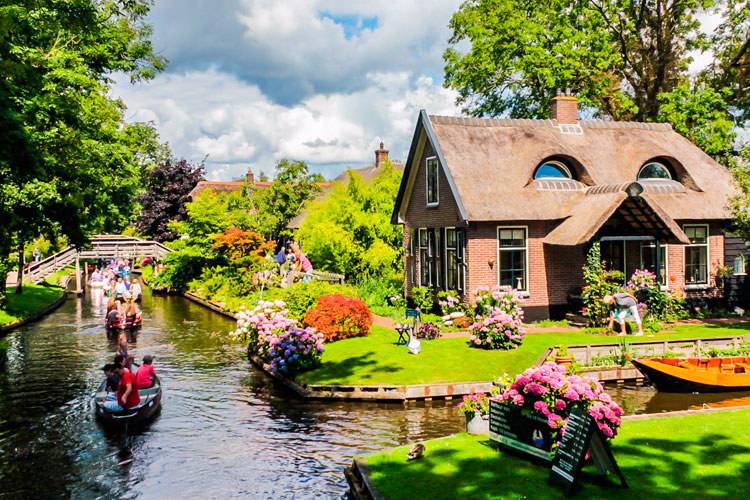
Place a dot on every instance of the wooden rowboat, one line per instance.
(150, 401)
(123, 324)
(730, 374)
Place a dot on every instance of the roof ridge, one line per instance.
(544, 122)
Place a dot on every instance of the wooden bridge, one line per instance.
(103, 246)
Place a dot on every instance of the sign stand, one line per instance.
(582, 435)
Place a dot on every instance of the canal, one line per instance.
(225, 430)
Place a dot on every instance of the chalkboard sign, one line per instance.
(582, 435)
(526, 434)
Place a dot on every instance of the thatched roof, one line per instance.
(490, 164)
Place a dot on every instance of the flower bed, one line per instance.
(277, 339)
(548, 390)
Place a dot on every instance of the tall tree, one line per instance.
(275, 206)
(67, 164)
(169, 186)
(619, 55)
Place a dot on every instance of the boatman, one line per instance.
(621, 304)
(127, 392)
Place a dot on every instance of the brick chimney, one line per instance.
(564, 108)
(380, 155)
(250, 177)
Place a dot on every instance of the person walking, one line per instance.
(621, 304)
(36, 254)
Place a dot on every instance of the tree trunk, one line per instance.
(19, 281)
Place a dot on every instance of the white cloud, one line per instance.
(216, 114)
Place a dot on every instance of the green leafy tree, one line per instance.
(740, 204)
(68, 164)
(350, 232)
(274, 207)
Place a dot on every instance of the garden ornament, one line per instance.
(413, 344)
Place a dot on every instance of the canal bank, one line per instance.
(34, 303)
(225, 430)
(693, 456)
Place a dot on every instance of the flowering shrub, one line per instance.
(339, 317)
(499, 319)
(449, 302)
(428, 331)
(277, 339)
(398, 301)
(641, 279)
(548, 390)
(475, 403)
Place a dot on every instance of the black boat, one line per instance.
(149, 405)
(124, 324)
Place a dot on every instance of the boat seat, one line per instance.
(744, 366)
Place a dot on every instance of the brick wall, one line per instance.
(676, 264)
(418, 214)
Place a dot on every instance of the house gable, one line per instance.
(411, 202)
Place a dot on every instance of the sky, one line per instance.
(250, 82)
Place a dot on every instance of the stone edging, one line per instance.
(36, 316)
(360, 482)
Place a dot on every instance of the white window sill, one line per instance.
(524, 295)
(697, 287)
(432, 205)
(664, 288)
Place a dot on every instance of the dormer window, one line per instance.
(654, 170)
(433, 196)
(553, 170)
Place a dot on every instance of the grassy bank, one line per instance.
(54, 278)
(376, 359)
(697, 456)
(33, 299)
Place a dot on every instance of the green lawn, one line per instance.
(699, 456)
(376, 359)
(54, 278)
(33, 299)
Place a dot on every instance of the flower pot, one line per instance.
(564, 360)
(477, 424)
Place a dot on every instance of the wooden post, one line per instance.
(78, 276)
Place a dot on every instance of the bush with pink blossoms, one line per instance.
(499, 330)
(475, 403)
(487, 299)
(278, 340)
(548, 390)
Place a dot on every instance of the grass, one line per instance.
(546, 323)
(703, 456)
(54, 278)
(376, 359)
(33, 299)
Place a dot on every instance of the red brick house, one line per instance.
(518, 202)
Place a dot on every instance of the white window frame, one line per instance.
(525, 291)
(556, 163)
(427, 182)
(662, 165)
(744, 264)
(445, 259)
(707, 244)
(665, 259)
(419, 253)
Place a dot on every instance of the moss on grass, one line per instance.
(33, 299)
(376, 359)
(698, 456)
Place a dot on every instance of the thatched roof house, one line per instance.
(517, 202)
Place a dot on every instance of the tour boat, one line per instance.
(150, 401)
(729, 374)
(123, 324)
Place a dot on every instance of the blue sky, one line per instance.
(323, 81)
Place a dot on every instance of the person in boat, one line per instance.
(146, 375)
(122, 350)
(620, 305)
(113, 313)
(113, 382)
(96, 276)
(121, 290)
(119, 358)
(127, 392)
(131, 311)
(135, 290)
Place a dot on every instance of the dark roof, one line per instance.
(490, 163)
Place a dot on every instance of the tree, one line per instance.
(740, 204)
(169, 186)
(234, 243)
(68, 164)
(620, 55)
(274, 207)
(350, 232)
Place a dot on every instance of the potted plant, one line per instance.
(476, 409)
(563, 356)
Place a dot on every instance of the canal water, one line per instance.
(225, 430)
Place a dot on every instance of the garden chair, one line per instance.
(403, 329)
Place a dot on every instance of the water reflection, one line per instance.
(225, 430)
(637, 400)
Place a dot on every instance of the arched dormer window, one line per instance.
(553, 169)
(654, 170)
